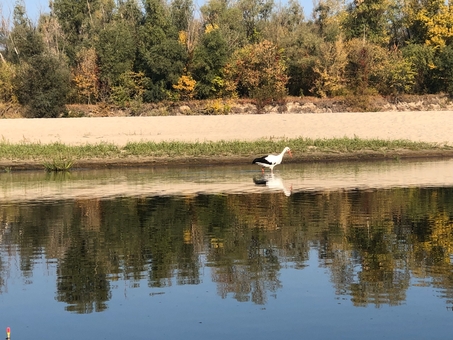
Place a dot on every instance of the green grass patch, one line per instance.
(58, 164)
(58, 155)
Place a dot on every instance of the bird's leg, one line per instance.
(262, 170)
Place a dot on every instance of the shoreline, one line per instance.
(162, 162)
(419, 126)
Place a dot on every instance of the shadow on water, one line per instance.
(311, 242)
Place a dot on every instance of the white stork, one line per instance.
(270, 161)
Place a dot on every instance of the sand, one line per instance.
(426, 126)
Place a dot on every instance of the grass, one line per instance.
(58, 156)
(57, 164)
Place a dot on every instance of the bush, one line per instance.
(42, 85)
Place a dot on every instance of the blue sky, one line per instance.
(34, 7)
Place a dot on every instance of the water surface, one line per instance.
(320, 251)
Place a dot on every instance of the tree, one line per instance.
(397, 75)
(24, 41)
(422, 58)
(254, 13)
(330, 68)
(364, 63)
(130, 88)
(284, 23)
(181, 14)
(160, 54)
(116, 50)
(7, 73)
(41, 79)
(367, 19)
(227, 16)
(210, 56)
(327, 15)
(444, 70)
(42, 85)
(52, 35)
(85, 75)
(438, 25)
(81, 22)
(185, 87)
(257, 71)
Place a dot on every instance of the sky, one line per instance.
(35, 7)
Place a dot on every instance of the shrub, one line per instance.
(42, 85)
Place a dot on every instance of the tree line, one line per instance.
(126, 52)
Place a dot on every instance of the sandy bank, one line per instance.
(427, 126)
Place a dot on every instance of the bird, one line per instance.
(273, 182)
(270, 161)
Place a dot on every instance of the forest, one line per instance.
(131, 52)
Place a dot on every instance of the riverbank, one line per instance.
(417, 126)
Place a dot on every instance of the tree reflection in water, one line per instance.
(375, 244)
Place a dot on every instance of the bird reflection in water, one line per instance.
(273, 182)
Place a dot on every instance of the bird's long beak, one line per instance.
(289, 151)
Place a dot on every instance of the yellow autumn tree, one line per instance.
(185, 87)
(438, 24)
(330, 69)
(7, 72)
(257, 71)
(85, 75)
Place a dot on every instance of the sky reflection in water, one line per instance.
(356, 250)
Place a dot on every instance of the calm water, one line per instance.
(322, 251)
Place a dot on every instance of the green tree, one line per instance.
(444, 69)
(227, 16)
(254, 14)
(42, 85)
(397, 75)
(116, 52)
(181, 13)
(81, 22)
(300, 42)
(302, 52)
(24, 41)
(210, 56)
(160, 54)
(74, 19)
(41, 79)
(367, 19)
(130, 88)
(422, 58)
